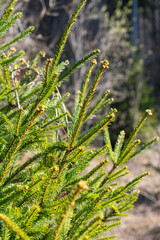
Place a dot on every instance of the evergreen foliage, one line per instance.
(46, 196)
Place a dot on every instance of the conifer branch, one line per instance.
(111, 175)
(8, 12)
(47, 71)
(41, 54)
(31, 94)
(98, 127)
(9, 60)
(7, 77)
(92, 172)
(98, 105)
(104, 66)
(22, 167)
(133, 134)
(14, 227)
(76, 127)
(135, 181)
(9, 23)
(85, 84)
(118, 145)
(8, 149)
(59, 146)
(2, 79)
(45, 93)
(6, 15)
(87, 227)
(29, 197)
(108, 143)
(7, 163)
(81, 186)
(16, 39)
(34, 212)
(86, 211)
(49, 180)
(146, 145)
(18, 122)
(65, 36)
(53, 120)
(128, 152)
(8, 122)
(79, 64)
(64, 108)
(8, 81)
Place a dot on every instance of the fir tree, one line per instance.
(46, 196)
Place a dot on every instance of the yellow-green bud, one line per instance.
(3, 55)
(101, 216)
(13, 49)
(82, 185)
(149, 112)
(94, 61)
(56, 168)
(81, 148)
(42, 54)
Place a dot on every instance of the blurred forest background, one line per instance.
(128, 34)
